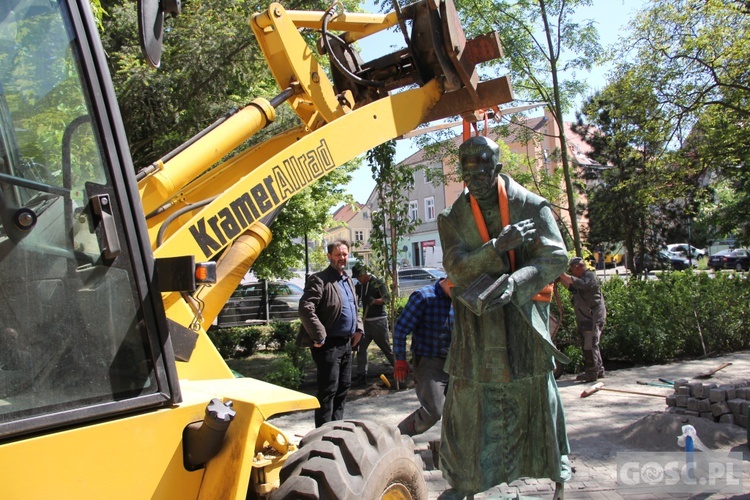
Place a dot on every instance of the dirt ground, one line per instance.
(377, 366)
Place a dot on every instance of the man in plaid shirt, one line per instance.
(428, 316)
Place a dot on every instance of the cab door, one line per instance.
(82, 331)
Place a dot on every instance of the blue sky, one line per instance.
(611, 18)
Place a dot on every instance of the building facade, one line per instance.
(535, 138)
(353, 225)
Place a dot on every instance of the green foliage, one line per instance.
(252, 337)
(399, 306)
(224, 340)
(286, 368)
(300, 356)
(575, 354)
(629, 132)
(285, 374)
(693, 56)
(237, 340)
(284, 333)
(289, 370)
(679, 314)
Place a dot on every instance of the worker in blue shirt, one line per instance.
(428, 316)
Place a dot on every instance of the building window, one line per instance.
(365, 215)
(413, 210)
(359, 235)
(429, 208)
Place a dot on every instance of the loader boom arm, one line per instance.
(434, 78)
(103, 373)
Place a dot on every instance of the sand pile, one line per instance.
(659, 432)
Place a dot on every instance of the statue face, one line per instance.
(478, 172)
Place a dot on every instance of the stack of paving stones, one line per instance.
(725, 403)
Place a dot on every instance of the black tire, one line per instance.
(353, 460)
(738, 267)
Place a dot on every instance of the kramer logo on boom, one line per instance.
(286, 179)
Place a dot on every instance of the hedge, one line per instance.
(676, 315)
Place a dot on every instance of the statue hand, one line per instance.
(513, 235)
(504, 298)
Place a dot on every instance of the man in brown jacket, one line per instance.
(331, 326)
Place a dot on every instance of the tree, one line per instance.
(211, 64)
(543, 46)
(635, 188)
(390, 222)
(695, 55)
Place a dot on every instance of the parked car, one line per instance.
(739, 260)
(663, 259)
(412, 278)
(716, 261)
(683, 249)
(247, 305)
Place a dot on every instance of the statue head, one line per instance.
(478, 157)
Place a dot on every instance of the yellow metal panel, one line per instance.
(254, 402)
(358, 25)
(129, 458)
(205, 361)
(284, 174)
(140, 457)
(268, 398)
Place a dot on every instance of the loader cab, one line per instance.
(82, 329)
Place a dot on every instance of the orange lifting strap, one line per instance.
(545, 295)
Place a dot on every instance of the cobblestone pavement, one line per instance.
(599, 428)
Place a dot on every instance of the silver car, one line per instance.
(413, 278)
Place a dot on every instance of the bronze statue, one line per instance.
(503, 416)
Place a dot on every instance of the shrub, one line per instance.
(284, 373)
(299, 356)
(678, 314)
(252, 337)
(282, 333)
(238, 340)
(400, 304)
(225, 340)
(575, 354)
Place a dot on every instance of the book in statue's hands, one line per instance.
(482, 292)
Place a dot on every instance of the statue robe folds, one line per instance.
(503, 417)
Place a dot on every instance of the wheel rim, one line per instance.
(396, 491)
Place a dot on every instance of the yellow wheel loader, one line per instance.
(109, 386)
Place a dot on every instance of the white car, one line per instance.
(682, 250)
